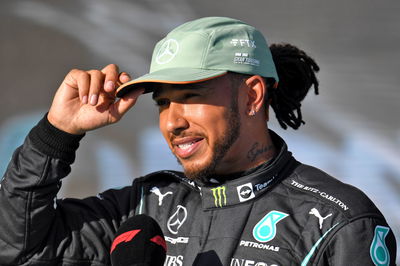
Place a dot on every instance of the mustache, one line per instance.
(182, 135)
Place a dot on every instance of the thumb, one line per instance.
(126, 103)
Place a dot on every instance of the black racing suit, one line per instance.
(285, 213)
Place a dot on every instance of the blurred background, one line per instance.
(352, 128)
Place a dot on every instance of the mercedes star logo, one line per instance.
(167, 52)
(177, 219)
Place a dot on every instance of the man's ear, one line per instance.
(256, 94)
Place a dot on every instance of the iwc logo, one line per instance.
(379, 251)
(245, 192)
(265, 229)
(168, 50)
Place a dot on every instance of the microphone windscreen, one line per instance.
(139, 241)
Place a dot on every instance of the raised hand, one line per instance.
(86, 100)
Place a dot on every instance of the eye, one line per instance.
(190, 95)
(162, 102)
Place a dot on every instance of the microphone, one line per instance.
(139, 241)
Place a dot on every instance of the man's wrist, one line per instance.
(53, 141)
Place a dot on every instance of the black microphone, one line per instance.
(139, 241)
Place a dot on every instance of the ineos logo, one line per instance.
(167, 52)
(245, 262)
(177, 219)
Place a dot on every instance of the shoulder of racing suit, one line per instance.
(320, 186)
(347, 225)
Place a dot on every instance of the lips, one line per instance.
(187, 146)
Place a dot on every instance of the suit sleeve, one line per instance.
(38, 229)
(364, 241)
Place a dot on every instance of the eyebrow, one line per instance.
(191, 86)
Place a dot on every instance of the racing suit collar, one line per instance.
(251, 184)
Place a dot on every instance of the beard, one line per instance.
(222, 145)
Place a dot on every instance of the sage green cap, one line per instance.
(203, 49)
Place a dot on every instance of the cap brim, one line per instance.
(169, 76)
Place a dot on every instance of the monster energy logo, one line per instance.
(219, 196)
(379, 251)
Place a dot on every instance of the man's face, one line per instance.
(201, 123)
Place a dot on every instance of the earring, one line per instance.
(252, 112)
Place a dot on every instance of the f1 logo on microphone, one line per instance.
(245, 192)
(125, 237)
(128, 236)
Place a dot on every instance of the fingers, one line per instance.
(123, 78)
(111, 77)
(96, 84)
(83, 83)
(87, 83)
(92, 83)
(124, 104)
(86, 100)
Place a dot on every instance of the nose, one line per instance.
(175, 118)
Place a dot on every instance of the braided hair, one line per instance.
(296, 71)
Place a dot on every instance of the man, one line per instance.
(242, 199)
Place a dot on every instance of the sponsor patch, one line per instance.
(177, 240)
(321, 194)
(321, 219)
(250, 244)
(173, 260)
(243, 58)
(265, 229)
(177, 219)
(157, 192)
(379, 251)
(245, 192)
(243, 43)
(219, 194)
(247, 262)
(264, 185)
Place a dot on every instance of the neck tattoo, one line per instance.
(258, 149)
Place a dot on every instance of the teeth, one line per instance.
(185, 146)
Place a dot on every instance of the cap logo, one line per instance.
(244, 59)
(167, 52)
(244, 42)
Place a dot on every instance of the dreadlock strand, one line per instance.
(296, 71)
